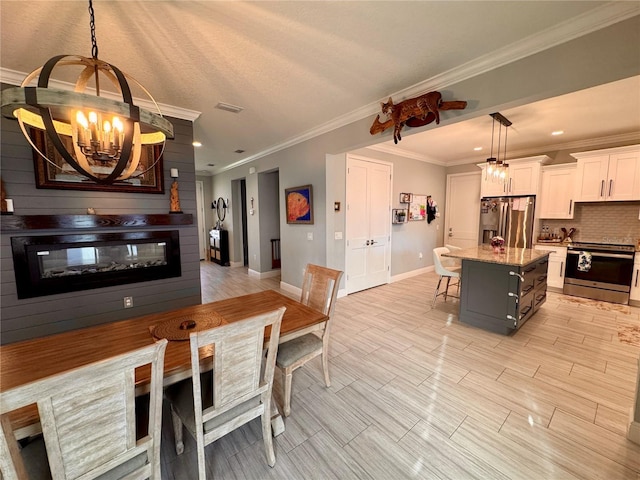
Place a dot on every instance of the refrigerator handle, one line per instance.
(504, 215)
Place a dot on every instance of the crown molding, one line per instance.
(589, 22)
(393, 150)
(14, 77)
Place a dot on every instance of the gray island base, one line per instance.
(499, 292)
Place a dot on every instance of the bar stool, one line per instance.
(445, 267)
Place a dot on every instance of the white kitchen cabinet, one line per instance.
(608, 175)
(524, 178)
(557, 261)
(557, 192)
(634, 295)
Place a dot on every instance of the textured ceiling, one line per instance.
(295, 67)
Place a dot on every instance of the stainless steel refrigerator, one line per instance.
(508, 217)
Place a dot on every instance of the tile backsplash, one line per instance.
(603, 222)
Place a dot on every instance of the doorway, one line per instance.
(368, 223)
(203, 244)
(463, 209)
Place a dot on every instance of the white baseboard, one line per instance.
(412, 273)
(263, 275)
(290, 288)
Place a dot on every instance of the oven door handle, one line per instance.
(607, 255)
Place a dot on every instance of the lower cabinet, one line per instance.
(557, 262)
(499, 297)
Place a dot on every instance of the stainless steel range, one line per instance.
(599, 271)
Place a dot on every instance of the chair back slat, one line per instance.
(320, 288)
(88, 415)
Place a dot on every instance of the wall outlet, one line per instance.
(309, 235)
(337, 235)
(128, 302)
(420, 255)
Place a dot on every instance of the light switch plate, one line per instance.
(309, 235)
(337, 235)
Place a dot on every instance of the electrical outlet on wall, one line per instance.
(128, 302)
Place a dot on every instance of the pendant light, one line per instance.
(107, 135)
(497, 169)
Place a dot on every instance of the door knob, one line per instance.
(367, 243)
(373, 241)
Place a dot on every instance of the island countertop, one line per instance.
(511, 255)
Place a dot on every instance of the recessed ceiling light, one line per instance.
(477, 149)
(196, 144)
(228, 107)
(557, 132)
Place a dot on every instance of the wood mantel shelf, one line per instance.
(65, 222)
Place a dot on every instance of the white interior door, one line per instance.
(462, 217)
(200, 218)
(368, 223)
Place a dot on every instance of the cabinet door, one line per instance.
(488, 188)
(557, 192)
(523, 179)
(635, 283)
(624, 177)
(591, 179)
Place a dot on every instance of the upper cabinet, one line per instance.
(608, 175)
(524, 178)
(557, 193)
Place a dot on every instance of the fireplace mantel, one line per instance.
(64, 222)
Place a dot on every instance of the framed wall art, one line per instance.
(405, 198)
(63, 176)
(418, 208)
(299, 202)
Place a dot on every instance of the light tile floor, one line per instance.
(416, 394)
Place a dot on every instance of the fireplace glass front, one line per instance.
(46, 265)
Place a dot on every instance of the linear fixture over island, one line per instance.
(500, 291)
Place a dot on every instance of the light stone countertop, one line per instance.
(511, 255)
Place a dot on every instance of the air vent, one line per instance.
(228, 107)
(239, 151)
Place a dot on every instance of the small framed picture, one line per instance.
(405, 198)
(299, 202)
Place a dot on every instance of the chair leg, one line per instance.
(288, 376)
(266, 432)
(325, 367)
(446, 290)
(435, 294)
(177, 431)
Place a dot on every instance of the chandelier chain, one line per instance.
(92, 24)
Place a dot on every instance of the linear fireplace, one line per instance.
(46, 265)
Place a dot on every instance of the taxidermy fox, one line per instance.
(414, 107)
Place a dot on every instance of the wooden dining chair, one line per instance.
(214, 403)
(319, 291)
(88, 422)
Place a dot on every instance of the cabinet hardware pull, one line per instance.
(514, 274)
(367, 244)
(570, 206)
(610, 186)
(511, 294)
(373, 241)
(562, 269)
(602, 188)
(637, 275)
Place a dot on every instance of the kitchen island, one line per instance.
(501, 291)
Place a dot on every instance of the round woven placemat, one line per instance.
(180, 328)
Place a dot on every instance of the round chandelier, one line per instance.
(101, 138)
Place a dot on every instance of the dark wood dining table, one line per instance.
(30, 360)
